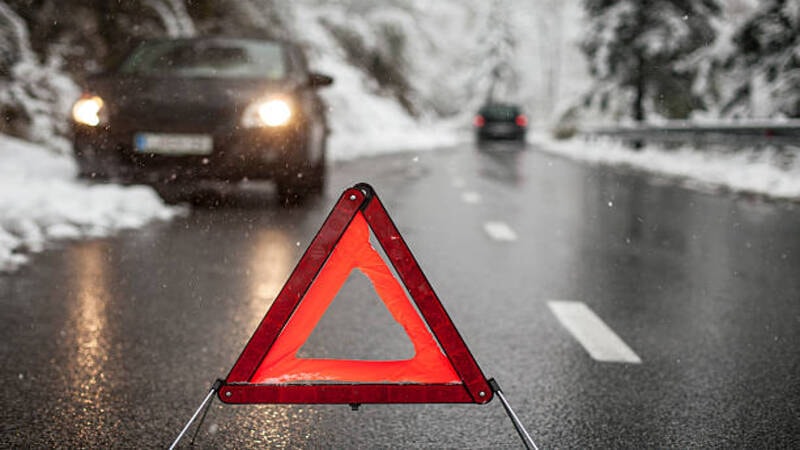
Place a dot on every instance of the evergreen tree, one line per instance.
(768, 57)
(498, 50)
(636, 48)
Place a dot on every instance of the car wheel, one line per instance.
(291, 191)
(294, 185)
(302, 179)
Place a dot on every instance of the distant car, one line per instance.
(500, 121)
(181, 110)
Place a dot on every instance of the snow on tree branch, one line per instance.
(14, 36)
(34, 97)
(174, 16)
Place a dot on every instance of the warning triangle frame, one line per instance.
(473, 386)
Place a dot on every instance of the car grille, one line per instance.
(144, 116)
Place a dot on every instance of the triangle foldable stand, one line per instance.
(442, 371)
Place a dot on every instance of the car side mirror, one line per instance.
(317, 80)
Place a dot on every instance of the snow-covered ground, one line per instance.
(41, 200)
(766, 172)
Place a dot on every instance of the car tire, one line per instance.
(304, 177)
(294, 185)
(289, 190)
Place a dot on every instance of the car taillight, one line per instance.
(521, 120)
(479, 121)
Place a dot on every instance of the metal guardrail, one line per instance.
(784, 133)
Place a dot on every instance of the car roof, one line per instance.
(294, 52)
(221, 39)
(498, 105)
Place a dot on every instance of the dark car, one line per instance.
(500, 121)
(176, 111)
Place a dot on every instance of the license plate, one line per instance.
(501, 128)
(173, 144)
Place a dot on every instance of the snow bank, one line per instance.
(363, 120)
(365, 124)
(765, 172)
(41, 200)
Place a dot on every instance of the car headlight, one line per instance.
(274, 112)
(87, 110)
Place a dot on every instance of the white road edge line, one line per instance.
(499, 231)
(596, 337)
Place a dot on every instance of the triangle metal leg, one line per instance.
(523, 433)
(209, 396)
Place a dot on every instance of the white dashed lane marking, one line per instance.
(499, 231)
(596, 337)
(470, 197)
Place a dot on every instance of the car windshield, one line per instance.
(208, 59)
(499, 112)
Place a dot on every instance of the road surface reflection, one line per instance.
(87, 327)
(270, 263)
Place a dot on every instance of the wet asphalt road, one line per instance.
(114, 342)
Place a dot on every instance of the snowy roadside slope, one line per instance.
(363, 121)
(759, 172)
(41, 200)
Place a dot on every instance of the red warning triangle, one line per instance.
(442, 369)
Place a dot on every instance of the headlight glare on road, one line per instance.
(272, 113)
(87, 110)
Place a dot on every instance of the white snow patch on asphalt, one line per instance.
(41, 200)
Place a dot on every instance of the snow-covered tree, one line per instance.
(174, 16)
(374, 38)
(767, 58)
(35, 97)
(496, 50)
(250, 18)
(550, 24)
(636, 48)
